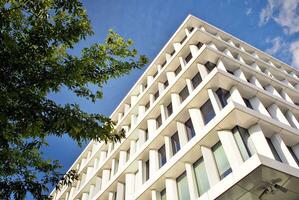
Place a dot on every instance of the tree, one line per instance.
(35, 39)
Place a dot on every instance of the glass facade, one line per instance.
(169, 109)
(201, 176)
(162, 156)
(159, 121)
(178, 70)
(207, 111)
(190, 129)
(184, 93)
(175, 143)
(196, 80)
(210, 66)
(221, 160)
(183, 188)
(163, 194)
(188, 57)
(223, 96)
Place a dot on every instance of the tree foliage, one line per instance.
(35, 39)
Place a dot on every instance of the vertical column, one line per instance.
(256, 67)
(127, 108)
(130, 185)
(98, 184)
(151, 99)
(141, 89)
(140, 174)
(202, 70)
(84, 196)
(111, 196)
(170, 77)
(286, 96)
(182, 133)
(259, 141)
(119, 117)
(272, 90)
(197, 120)
(89, 172)
(193, 50)
(91, 191)
(152, 126)
(236, 96)
(239, 58)
(149, 80)
(276, 113)
(163, 113)
(171, 189)
(258, 106)
(189, 85)
(175, 100)
(120, 191)
(105, 177)
(114, 166)
(141, 111)
(160, 87)
(238, 73)
(153, 161)
(133, 99)
(177, 46)
(295, 149)
(210, 165)
(132, 147)
(255, 82)
(220, 65)
(292, 119)
(214, 100)
(283, 150)
(122, 158)
(191, 181)
(155, 195)
(231, 149)
(168, 147)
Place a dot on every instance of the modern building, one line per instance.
(211, 118)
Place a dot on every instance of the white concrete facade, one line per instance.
(223, 125)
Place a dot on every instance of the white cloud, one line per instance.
(283, 12)
(294, 50)
(277, 45)
(248, 11)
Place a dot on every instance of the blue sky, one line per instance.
(272, 26)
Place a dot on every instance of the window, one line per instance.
(155, 74)
(116, 166)
(189, 129)
(221, 160)
(166, 84)
(183, 188)
(128, 154)
(146, 170)
(172, 53)
(196, 80)
(191, 29)
(178, 70)
(175, 143)
(145, 85)
(156, 95)
(147, 106)
(223, 96)
(163, 64)
(163, 194)
(169, 109)
(188, 57)
(274, 152)
(247, 102)
(146, 134)
(294, 155)
(201, 176)
(243, 141)
(184, 93)
(207, 111)
(210, 66)
(232, 73)
(199, 45)
(162, 156)
(183, 40)
(159, 121)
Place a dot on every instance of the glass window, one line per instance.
(223, 96)
(183, 40)
(207, 111)
(184, 93)
(159, 121)
(210, 66)
(116, 166)
(163, 194)
(199, 45)
(166, 84)
(175, 142)
(178, 70)
(172, 53)
(247, 102)
(146, 170)
(190, 129)
(201, 176)
(274, 152)
(128, 154)
(155, 74)
(183, 188)
(169, 109)
(196, 80)
(156, 95)
(244, 142)
(146, 134)
(162, 156)
(294, 155)
(164, 63)
(147, 106)
(188, 57)
(221, 160)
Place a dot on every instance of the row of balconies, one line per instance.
(158, 120)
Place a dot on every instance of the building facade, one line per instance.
(211, 118)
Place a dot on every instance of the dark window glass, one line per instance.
(223, 96)
(159, 121)
(190, 129)
(274, 152)
(188, 57)
(196, 80)
(294, 155)
(183, 40)
(163, 194)
(178, 70)
(147, 106)
(191, 29)
(230, 72)
(155, 74)
(207, 111)
(199, 45)
(221, 160)
(248, 104)
(202, 180)
(147, 170)
(162, 156)
(210, 66)
(169, 109)
(184, 93)
(175, 142)
(166, 84)
(156, 95)
(146, 134)
(172, 53)
(128, 154)
(163, 64)
(183, 188)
